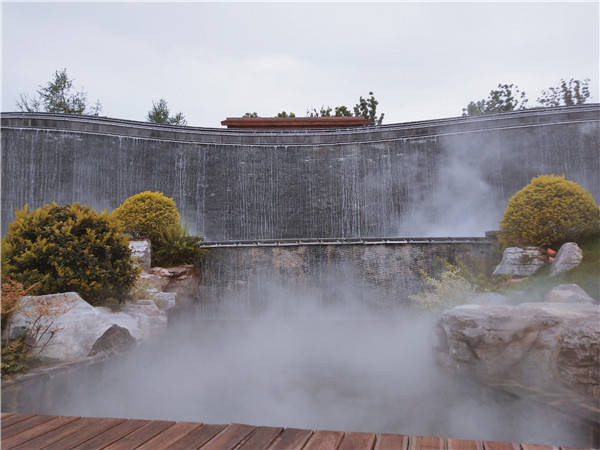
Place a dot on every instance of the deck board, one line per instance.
(229, 437)
(171, 435)
(261, 438)
(462, 444)
(24, 425)
(324, 440)
(493, 445)
(358, 441)
(112, 435)
(55, 435)
(84, 434)
(33, 432)
(197, 438)
(15, 418)
(141, 435)
(291, 439)
(426, 443)
(386, 441)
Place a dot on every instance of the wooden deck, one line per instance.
(31, 432)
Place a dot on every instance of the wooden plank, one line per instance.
(36, 431)
(112, 435)
(261, 438)
(5, 415)
(23, 425)
(386, 441)
(538, 447)
(82, 435)
(358, 441)
(15, 418)
(141, 435)
(492, 445)
(229, 437)
(57, 434)
(426, 443)
(197, 438)
(290, 439)
(324, 440)
(171, 435)
(461, 444)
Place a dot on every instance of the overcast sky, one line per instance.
(211, 61)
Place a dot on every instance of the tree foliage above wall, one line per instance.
(58, 96)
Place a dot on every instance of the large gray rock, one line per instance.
(568, 293)
(537, 345)
(141, 251)
(521, 262)
(114, 340)
(78, 324)
(568, 257)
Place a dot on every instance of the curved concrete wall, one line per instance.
(441, 177)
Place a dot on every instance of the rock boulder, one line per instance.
(540, 345)
(114, 340)
(568, 257)
(141, 251)
(78, 324)
(521, 262)
(568, 293)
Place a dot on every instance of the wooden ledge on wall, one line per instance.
(294, 122)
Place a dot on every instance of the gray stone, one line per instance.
(152, 281)
(141, 251)
(78, 324)
(568, 257)
(539, 345)
(568, 293)
(164, 300)
(521, 262)
(114, 340)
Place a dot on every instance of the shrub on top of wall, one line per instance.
(548, 212)
(68, 248)
(148, 215)
(154, 216)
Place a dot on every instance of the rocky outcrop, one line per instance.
(538, 345)
(568, 257)
(568, 293)
(78, 324)
(521, 262)
(141, 252)
(114, 340)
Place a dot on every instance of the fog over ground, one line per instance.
(300, 364)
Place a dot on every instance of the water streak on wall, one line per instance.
(444, 177)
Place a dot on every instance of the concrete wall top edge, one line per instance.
(128, 128)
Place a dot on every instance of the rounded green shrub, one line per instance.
(549, 211)
(148, 215)
(69, 248)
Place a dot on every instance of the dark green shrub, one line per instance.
(175, 246)
(148, 215)
(547, 212)
(68, 248)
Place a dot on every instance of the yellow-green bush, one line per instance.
(149, 215)
(548, 212)
(68, 248)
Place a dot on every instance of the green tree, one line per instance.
(366, 108)
(160, 114)
(250, 114)
(58, 96)
(285, 114)
(568, 93)
(507, 97)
